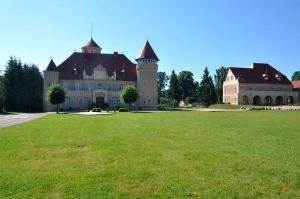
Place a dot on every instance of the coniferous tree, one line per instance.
(13, 85)
(174, 92)
(23, 87)
(219, 78)
(33, 87)
(207, 90)
(2, 96)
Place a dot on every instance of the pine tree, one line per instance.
(174, 91)
(2, 96)
(13, 85)
(207, 90)
(33, 87)
(23, 87)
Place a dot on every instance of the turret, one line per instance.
(51, 77)
(147, 77)
(91, 47)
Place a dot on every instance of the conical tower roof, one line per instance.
(147, 52)
(92, 43)
(51, 66)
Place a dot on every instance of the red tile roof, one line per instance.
(255, 74)
(124, 68)
(51, 66)
(296, 84)
(147, 53)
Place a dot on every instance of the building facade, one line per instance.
(259, 85)
(92, 77)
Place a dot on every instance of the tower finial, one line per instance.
(92, 30)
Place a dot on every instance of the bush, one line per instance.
(166, 102)
(188, 101)
(123, 110)
(96, 109)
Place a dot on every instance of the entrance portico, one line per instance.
(100, 96)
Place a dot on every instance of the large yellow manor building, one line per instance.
(259, 85)
(92, 77)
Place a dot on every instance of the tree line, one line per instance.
(21, 87)
(182, 87)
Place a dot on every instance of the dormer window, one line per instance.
(265, 75)
(123, 69)
(75, 71)
(278, 76)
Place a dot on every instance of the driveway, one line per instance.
(13, 119)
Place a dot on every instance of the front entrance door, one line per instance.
(99, 101)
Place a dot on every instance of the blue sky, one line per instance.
(186, 35)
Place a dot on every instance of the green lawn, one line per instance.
(152, 155)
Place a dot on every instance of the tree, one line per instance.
(219, 78)
(2, 96)
(207, 90)
(56, 95)
(129, 95)
(174, 91)
(33, 88)
(186, 84)
(162, 82)
(23, 87)
(296, 75)
(13, 85)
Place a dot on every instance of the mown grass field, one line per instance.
(153, 155)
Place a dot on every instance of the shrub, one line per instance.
(166, 102)
(123, 110)
(96, 109)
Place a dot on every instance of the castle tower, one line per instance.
(91, 47)
(51, 76)
(147, 77)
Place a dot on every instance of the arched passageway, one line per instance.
(268, 100)
(245, 100)
(256, 100)
(279, 100)
(290, 100)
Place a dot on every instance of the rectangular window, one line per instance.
(121, 87)
(66, 86)
(77, 86)
(99, 86)
(90, 87)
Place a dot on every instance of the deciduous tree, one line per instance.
(186, 84)
(296, 76)
(129, 95)
(162, 82)
(56, 95)
(219, 78)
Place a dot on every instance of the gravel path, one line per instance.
(13, 119)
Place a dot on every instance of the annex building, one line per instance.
(92, 77)
(261, 84)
